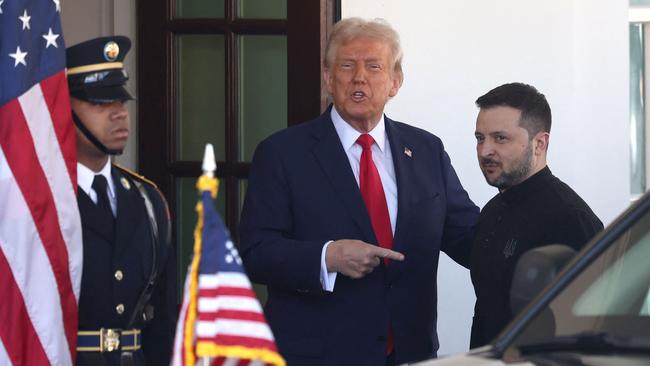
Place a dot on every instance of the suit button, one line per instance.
(119, 275)
(120, 309)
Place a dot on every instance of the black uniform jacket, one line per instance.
(132, 253)
(539, 211)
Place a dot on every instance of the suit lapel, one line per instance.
(404, 173)
(334, 162)
(127, 211)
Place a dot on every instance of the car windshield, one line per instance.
(610, 297)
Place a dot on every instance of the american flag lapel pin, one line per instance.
(408, 152)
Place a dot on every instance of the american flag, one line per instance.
(40, 229)
(221, 322)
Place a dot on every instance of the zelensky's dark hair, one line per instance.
(535, 111)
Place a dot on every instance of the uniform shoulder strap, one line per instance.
(140, 182)
(142, 179)
(134, 175)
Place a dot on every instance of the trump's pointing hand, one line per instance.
(355, 258)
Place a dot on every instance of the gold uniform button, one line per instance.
(120, 308)
(119, 275)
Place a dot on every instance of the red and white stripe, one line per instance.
(178, 357)
(229, 313)
(236, 362)
(40, 229)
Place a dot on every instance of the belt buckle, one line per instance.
(110, 340)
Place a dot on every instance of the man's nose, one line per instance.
(359, 75)
(118, 110)
(485, 149)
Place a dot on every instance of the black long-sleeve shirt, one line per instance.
(539, 211)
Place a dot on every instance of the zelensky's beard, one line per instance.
(517, 174)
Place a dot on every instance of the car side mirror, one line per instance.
(535, 270)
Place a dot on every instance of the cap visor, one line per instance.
(107, 94)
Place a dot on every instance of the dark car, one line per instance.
(596, 311)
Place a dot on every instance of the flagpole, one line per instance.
(206, 182)
(207, 332)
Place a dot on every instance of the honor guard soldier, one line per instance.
(127, 305)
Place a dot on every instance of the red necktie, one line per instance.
(372, 192)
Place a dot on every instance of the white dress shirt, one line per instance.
(383, 159)
(85, 179)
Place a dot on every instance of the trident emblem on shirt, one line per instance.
(509, 249)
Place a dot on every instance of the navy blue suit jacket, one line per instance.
(301, 194)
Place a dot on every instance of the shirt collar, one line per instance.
(348, 135)
(528, 187)
(86, 176)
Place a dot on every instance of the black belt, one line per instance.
(108, 340)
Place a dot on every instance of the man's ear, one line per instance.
(541, 141)
(327, 77)
(397, 83)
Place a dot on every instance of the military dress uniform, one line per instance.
(127, 304)
(117, 269)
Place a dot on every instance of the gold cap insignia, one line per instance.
(125, 183)
(111, 51)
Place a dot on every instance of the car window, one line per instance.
(620, 284)
(610, 296)
(645, 310)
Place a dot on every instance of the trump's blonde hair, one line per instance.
(378, 29)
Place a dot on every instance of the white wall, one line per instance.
(573, 51)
